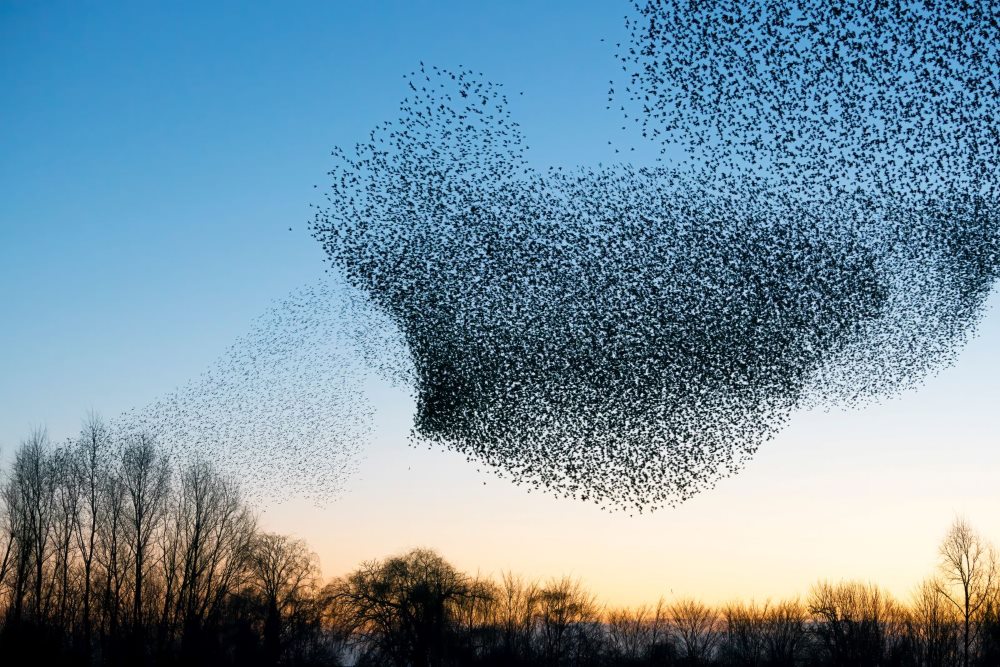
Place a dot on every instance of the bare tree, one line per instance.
(745, 641)
(854, 621)
(11, 525)
(476, 619)
(401, 607)
(968, 571)
(31, 497)
(516, 602)
(697, 628)
(145, 477)
(213, 530)
(110, 550)
(785, 632)
(633, 634)
(283, 574)
(10, 515)
(89, 467)
(65, 518)
(171, 548)
(566, 616)
(934, 626)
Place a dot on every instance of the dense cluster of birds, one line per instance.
(631, 334)
(285, 409)
(885, 114)
(898, 97)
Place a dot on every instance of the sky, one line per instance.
(152, 160)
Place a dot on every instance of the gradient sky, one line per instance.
(152, 159)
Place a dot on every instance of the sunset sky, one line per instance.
(152, 161)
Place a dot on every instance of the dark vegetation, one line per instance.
(112, 555)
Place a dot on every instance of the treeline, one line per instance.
(416, 609)
(112, 555)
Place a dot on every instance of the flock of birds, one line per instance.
(285, 409)
(884, 116)
(629, 335)
(896, 97)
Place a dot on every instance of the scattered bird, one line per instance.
(284, 410)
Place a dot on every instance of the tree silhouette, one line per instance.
(968, 578)
(403, 605)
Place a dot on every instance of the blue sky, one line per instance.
(152, 159)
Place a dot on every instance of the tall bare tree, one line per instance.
(16, 556)
(31, 492)
(968, 570)
(145, 478)
(214, 530)
(110, 549)
(90, 464)
(66, 510)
